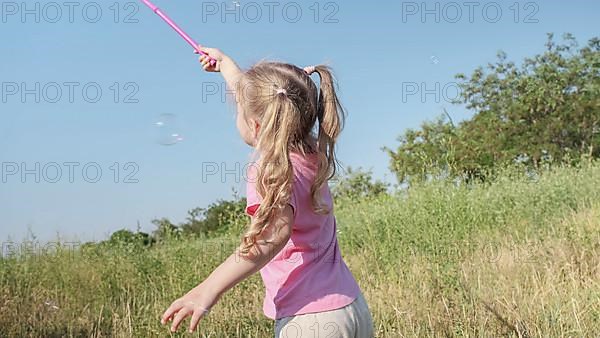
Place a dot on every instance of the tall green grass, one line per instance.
(515, 257)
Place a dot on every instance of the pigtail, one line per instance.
(331, 116)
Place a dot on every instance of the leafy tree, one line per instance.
(545, 110)
(218, 218)
(122, 239)
(358, 184)
(425, 152)
(127, 237)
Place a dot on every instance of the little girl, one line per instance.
(291, 239)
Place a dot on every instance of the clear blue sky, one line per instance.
(379, 50)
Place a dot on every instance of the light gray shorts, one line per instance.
(352, 321)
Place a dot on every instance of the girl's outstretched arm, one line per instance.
(198, 301)
(229, 69)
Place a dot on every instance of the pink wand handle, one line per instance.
(180, 31)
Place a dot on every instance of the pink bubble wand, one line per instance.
(180, 31)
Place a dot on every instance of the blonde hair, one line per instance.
(294, 116)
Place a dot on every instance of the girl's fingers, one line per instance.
(175, 307)
(179, 317)
(204, 60)
(195, 319)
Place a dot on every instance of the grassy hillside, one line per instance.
(518, 257)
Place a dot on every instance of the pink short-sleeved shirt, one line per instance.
(308, 275)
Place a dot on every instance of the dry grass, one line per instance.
(507, 286)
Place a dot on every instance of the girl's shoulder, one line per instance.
(304, 162)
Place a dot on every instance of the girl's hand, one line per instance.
(196, 303)
(215, 54)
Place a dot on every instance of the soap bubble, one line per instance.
(167, 130)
